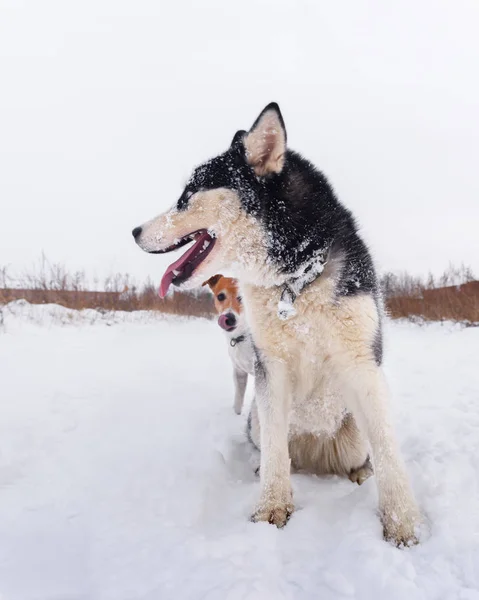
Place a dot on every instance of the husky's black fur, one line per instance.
(298, 209)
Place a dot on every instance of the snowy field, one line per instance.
(125, 475)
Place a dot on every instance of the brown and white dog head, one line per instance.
(220, 211)
(228, 303)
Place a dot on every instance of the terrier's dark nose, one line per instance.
(136, 232)
(230, 320)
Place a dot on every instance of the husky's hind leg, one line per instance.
(364, 472)
(344, 454)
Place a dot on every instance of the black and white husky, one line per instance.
(312, 304)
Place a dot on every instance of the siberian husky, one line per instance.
(312, 304)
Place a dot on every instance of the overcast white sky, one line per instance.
(106, 105)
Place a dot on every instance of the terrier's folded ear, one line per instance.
(212, 281)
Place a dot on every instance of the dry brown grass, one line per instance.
(453, 296)
(52, 284)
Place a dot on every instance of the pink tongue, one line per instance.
(165, 283)
(222, 322)
(178, 264)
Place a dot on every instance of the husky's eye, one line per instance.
(221, 297)
(239, 298)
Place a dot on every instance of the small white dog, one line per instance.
(240, 345)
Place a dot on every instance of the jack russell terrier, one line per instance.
(231, 318)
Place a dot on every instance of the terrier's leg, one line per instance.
(241, 380)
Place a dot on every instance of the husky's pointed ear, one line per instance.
(239, 135)
(212, 281)
(265, 143)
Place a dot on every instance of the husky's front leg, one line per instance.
(273, 398)
(241, 381)
(399, 512)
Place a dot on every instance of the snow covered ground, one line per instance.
(125, 475)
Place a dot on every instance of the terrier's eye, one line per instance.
(221, 297)
(239, 298)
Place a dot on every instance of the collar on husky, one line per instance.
(237, 340)
(294, 286)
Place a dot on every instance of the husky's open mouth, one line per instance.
(182, 269)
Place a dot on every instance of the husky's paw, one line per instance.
(276, 514)
(360, 475)
(400, 532)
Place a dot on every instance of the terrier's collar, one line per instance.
(237, 340)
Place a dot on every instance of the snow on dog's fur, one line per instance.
(312, 303)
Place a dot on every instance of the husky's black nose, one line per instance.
(136, 232)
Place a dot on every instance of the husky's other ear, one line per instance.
(212, 281)
(238, 137)
(265, 143)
